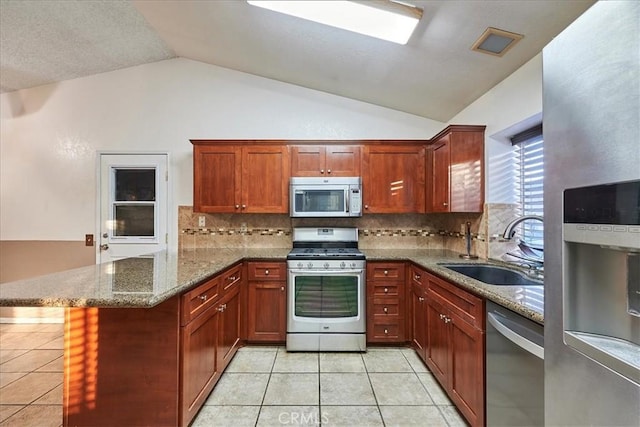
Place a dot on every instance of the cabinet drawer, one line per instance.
(267, 271)
(391, 289)
(382, 308)
(466, 305)
(199, 299)
(418, 276)
(385, 270)
(231, 278)
(386, 331)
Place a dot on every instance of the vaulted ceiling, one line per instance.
(435, 75)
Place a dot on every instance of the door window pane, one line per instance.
(135, 184)
(134, 220)
(326, 296)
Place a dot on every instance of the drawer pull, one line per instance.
(386, 290)
(386, 310)
(386, 272)
(266, 272)
(282, 288)
(386, 332)
(416, 277)
(203, 297)
(232, 278)
(420, 299)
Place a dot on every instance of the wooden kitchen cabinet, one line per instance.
(385, 302)
(455, 169)
(394, 178)
(209, 337)
(455, 345)
(240, 178)
(418, 309)
(325, 160)
(267, 302)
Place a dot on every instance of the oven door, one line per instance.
(326, 301)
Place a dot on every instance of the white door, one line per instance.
(133, 205)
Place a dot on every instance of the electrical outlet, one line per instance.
(88, 239)
(243, 227)
(201, 221)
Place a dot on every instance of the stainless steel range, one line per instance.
(326, 291)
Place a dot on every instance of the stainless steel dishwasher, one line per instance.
(515, 369)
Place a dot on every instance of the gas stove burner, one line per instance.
(325, 244)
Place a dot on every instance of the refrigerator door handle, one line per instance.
(515, 338)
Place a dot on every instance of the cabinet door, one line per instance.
(265, 179)
(419, 320)
(199, 369)
(393, 179)
(437, 344)
(307, 160)
(266, 311)
(343, 160)
(467, 369)
(216, 178)
(440, 176)
(229, 327)
(466, 188)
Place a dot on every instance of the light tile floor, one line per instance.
(263, 386)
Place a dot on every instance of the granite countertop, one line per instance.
(146, 281)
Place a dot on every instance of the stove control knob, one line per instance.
(310, 265)
(300, 265)
(353, 265)
(326, 265)
(343, 265)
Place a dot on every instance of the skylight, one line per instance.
(386, 20)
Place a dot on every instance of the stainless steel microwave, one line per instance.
(325, 197)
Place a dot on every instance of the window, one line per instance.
(529, 184)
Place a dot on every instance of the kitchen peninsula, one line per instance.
(129, 322)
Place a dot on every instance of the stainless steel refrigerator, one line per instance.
(591, 126)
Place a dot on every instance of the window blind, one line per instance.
(529, 151)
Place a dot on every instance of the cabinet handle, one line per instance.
(203, 297)
(282, 288)
(321, 170)
(416, 277)
(386, 332)
(366, 206)
(447, 319)
(232, 278)
(442, 316)
(420, 299)
(244, 206)
(386, 310)
(386, 272)
(221, 308)
(266, 272)
(237, 206)
(445, 204)
(328, 170)
(386, 290)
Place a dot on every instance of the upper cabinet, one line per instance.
(325, 160)
(455, 170)
(393, 178)
(240, 178)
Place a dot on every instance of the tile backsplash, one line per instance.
(407, 231)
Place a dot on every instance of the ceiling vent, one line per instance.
(496, 42)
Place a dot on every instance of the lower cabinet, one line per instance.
(209, 338)
(267, 302)
(418, 310)
(385, 303)
(454, 348)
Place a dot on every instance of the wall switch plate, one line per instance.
(88, 239)
(201, 221)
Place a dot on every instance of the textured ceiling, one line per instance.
(435, 75)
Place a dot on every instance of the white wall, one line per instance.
(508, 108)
(50, 134)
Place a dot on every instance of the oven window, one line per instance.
(320, 201)
(326, 296)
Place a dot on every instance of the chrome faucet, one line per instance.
(531, 259)
(510, 231)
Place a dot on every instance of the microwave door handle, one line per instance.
(347, 201)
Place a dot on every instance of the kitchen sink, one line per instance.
(493, 275)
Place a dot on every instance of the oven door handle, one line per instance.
(324, 272)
